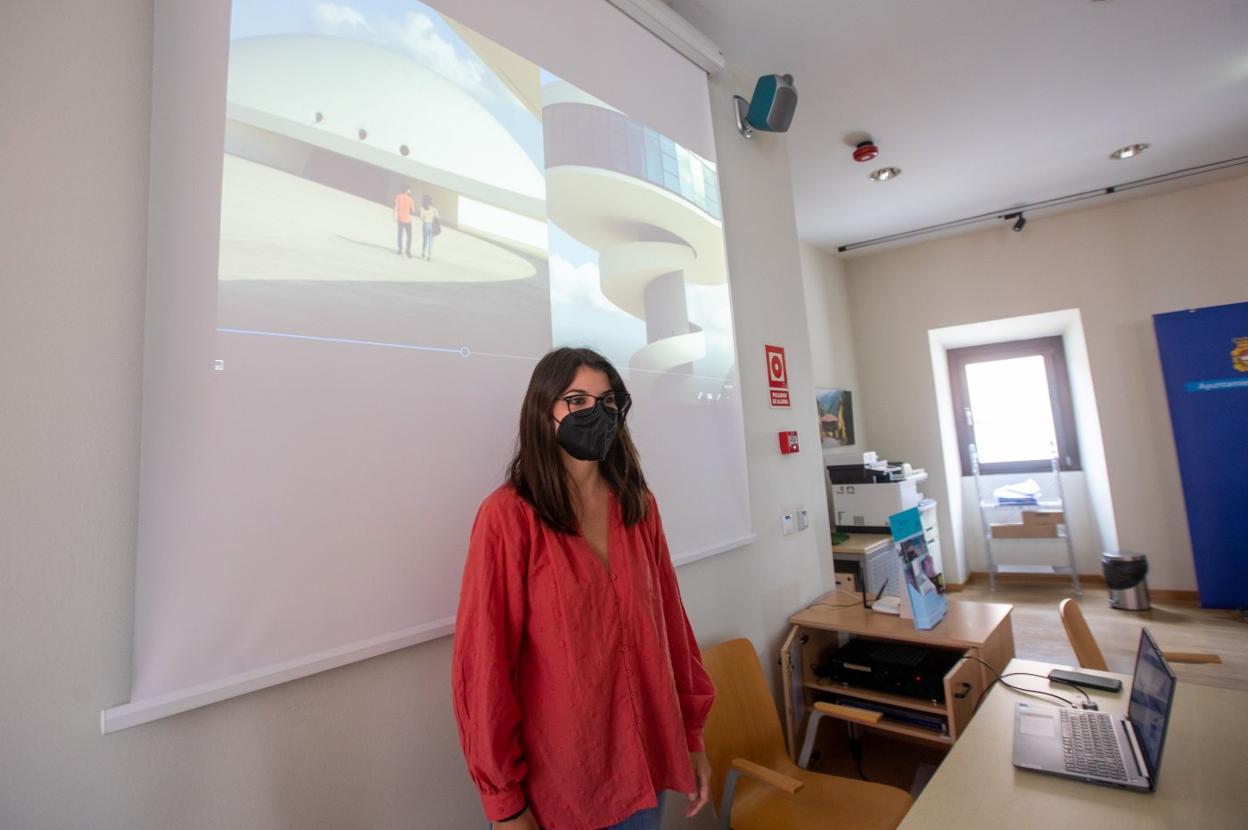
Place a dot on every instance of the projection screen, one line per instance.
(330, 391)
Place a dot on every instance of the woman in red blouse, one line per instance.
(578, 686)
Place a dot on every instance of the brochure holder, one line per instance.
(922, 600)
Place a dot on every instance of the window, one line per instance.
(1012, 401)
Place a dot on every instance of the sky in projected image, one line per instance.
(405, 27)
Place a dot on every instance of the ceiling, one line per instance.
(987, 104)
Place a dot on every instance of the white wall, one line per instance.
(831, 344)
(369, 745)
(1118, 264)
(831, 325)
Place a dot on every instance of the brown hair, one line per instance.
(537, 471)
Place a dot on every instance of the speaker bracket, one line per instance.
(740, 108)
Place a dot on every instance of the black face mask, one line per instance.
(588, 434)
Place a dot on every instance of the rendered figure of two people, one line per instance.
(404, 209)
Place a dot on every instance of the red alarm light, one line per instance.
(866, 150)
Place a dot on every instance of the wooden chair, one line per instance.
(1088, 653)
(753, 780)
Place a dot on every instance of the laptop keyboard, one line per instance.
(1090, 745)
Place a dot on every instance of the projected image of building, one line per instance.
(323, 132)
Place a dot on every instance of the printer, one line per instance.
(865, 495)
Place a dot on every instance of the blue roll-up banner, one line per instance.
(1204, 359)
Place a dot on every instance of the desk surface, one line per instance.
(1202, 781)
(862, 543)
(967, 625)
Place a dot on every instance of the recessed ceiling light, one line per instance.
(1128, 151)
(886, 173)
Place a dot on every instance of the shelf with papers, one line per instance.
(1033, 569)
(1060, 534)
(1049, 498)
(1042, 504)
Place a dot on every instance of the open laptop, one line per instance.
(1098, 747)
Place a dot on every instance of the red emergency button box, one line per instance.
(788, 442)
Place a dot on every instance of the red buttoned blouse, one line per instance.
(577, 686)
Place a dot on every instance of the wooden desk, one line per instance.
(861, 543)
(980, 629)
(1202, 783)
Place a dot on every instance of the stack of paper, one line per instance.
(1025, 493)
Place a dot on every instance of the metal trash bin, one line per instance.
(1125, 573)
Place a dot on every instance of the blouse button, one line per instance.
(614, 577)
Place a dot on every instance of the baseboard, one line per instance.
(981, 578)
(1173, 595)
(1090, 580)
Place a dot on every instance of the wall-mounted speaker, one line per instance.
(772, 107)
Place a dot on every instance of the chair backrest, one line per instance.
(1087, 652)
(743, 722)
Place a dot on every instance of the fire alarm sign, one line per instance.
(777, 376)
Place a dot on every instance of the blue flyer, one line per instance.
(918, 571)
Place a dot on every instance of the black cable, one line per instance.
(1037, 692)
(855, 751)
(1034, 692)
(1074, 686)
(862, 601)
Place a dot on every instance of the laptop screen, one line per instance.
(1152, 693)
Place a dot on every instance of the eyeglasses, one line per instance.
(613, 403)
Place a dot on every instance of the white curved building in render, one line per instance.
(648, 206)
(368, 103)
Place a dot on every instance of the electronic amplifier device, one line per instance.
(888, 667)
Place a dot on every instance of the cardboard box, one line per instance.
(1044, 517)
(1023, 531)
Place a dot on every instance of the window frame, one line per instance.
(1054, 353)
